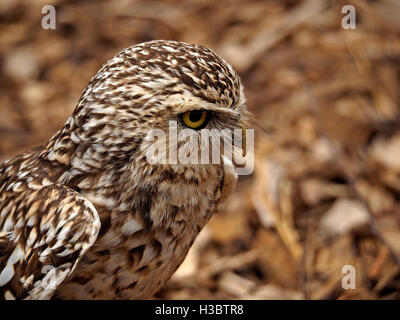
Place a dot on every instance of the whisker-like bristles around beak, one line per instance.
(248, 120)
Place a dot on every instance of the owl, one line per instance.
(87, 215)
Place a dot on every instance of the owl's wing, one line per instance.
(43, 235)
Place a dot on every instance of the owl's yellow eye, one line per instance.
(196, 119)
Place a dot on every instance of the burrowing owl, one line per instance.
(87, 216)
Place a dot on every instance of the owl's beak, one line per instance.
(243, 126)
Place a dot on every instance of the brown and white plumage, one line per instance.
(86, 216)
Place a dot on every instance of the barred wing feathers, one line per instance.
(43, 235)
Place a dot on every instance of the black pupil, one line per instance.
(195, 116)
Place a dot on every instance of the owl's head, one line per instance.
(153, 87)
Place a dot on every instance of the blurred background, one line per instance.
(326, 188)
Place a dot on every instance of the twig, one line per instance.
(306, 266)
